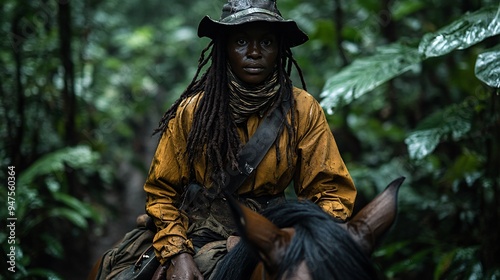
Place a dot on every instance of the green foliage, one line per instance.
(74, 157)
(451, 125)
(43, 202)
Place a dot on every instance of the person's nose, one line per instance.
(254, 50)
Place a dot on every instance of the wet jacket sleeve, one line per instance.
(164, 185)
(321, 173)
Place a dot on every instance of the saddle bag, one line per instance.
(132, 258)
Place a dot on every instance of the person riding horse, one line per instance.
(247, 81)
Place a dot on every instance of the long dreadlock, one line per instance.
(213, 133)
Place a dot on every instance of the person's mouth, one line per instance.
(254, 69)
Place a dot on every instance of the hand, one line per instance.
(231, 242)
(183, 267)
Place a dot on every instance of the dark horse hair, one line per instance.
(327, 249)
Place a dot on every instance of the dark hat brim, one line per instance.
(292, 33)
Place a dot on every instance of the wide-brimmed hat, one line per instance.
(237, 12)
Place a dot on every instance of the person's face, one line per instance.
(252, 50)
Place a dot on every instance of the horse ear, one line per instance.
(373, 221)
(269, 240)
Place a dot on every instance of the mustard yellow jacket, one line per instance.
(318, 171)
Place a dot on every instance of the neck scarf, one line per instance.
(245, 100)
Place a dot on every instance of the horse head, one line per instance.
(272, 242)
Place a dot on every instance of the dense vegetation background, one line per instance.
(411, 88)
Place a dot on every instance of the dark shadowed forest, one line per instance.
(411, 88)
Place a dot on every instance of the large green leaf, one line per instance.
(462, 33)
(423, 142)
(452, 121)
(73, 203)
(74, 217)
(488, 67)
(75, 157)
(368, 73)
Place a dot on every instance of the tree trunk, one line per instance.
(338, 20)
(16, 130)
(490, 229)
(68, 91)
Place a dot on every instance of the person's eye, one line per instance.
(241, 42)
(267, 42)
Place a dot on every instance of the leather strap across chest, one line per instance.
(256, 148)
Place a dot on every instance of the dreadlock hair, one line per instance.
(213, 133)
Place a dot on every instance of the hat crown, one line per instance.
(237, 12)
(235, 6)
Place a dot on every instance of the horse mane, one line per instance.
(329, 251)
